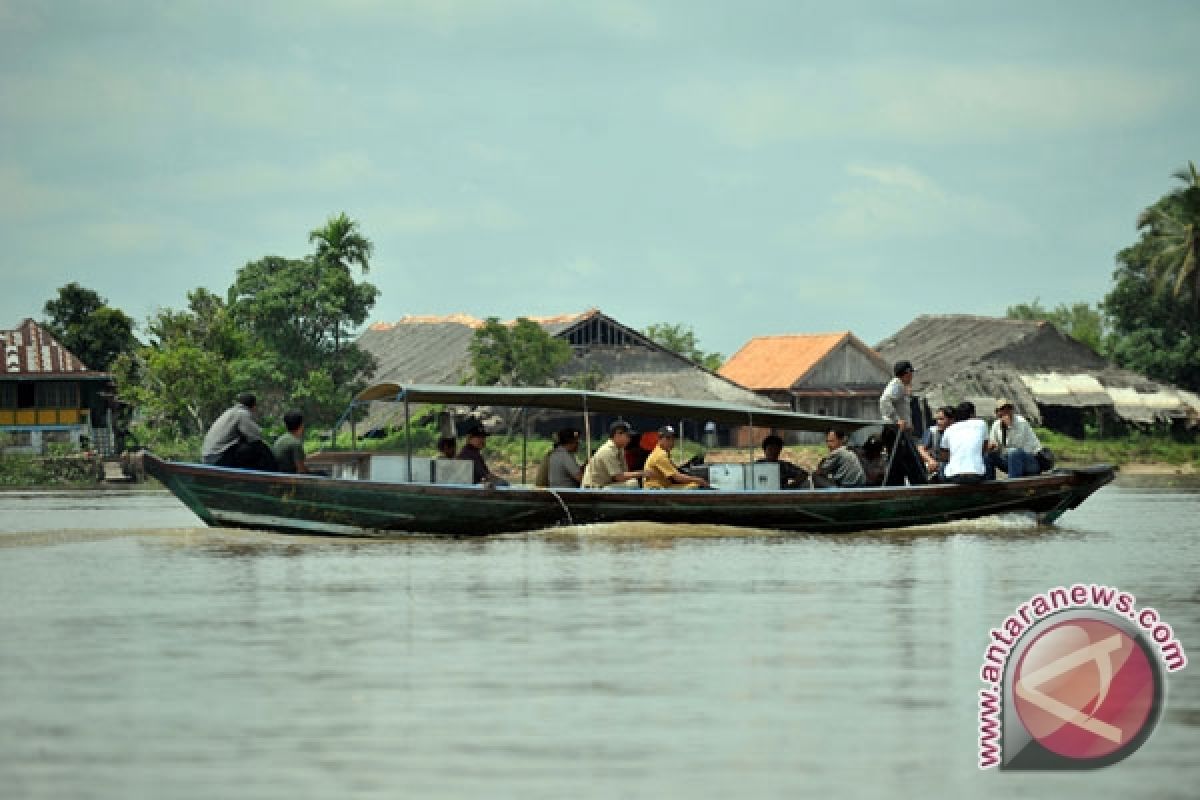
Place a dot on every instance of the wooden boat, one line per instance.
(350, 506)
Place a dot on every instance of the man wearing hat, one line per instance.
(661, 472)
(472, 451)
(1012, 445)
(896, 411)
(606, 469)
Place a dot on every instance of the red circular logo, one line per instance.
(1084, 689)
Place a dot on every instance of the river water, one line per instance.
(144, 656)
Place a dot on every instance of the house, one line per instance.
(48, 396)
(435, 349)
(1051, 378)
(818, 373)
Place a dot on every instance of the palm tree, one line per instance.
(1173, 225)
(340, 245)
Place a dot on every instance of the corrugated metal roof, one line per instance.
(778, 362)
(29, 350)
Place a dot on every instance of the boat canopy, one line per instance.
(583, 402)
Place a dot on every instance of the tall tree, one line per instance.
(1173, 228)
(85, 324)
(340, 246)
(681, 339)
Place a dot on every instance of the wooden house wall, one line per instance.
(845, 366)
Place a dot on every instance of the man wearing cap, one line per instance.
(472, 450)
(1012, 444)
(896, 411)
(606, 469)
(661, 472)
(235, 440)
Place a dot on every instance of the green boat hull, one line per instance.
(320, 505)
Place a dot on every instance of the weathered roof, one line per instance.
(780, 362)
(941, 346)
(1031, 363)
(30, 351)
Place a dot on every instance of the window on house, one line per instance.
(25, 395)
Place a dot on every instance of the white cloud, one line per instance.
(897, 201)
(926, 103)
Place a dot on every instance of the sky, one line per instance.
(745, 168)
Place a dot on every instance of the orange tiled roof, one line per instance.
(778, 362)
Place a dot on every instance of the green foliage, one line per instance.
(1172, 229)
(75, 471)
(1137, 447)
(1079, 320)
(83, 323)
(196, 361)
(282, 333)
(1152, 307)
(522, 354)
(681, 339)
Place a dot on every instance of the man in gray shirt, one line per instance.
(896, 410)
(235, 440)
(562, 470)
(841, 468)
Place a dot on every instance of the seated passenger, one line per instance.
(841, 468)
(606, 468)
(473, 451)
(562, 470)
(873, 461)
(447, 447)
(1012, 445)
(235, 440)
(661, 472)
(289, 447)
(931, 443)
(964, 443)
(790, 476)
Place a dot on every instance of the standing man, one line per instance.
(289, 447)
(1012, 444)
(896, 411)
(661, 472)
(235, 440)
(606, 469)
(473, 451)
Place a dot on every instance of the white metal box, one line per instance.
(394, 469)
(764, 477)
(453, 470)
(728, 477)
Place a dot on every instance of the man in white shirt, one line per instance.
(1012, 444)
(964, 443)
(606, 469)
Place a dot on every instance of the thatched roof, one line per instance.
(1031, 363)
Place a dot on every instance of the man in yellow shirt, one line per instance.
(661, 472)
